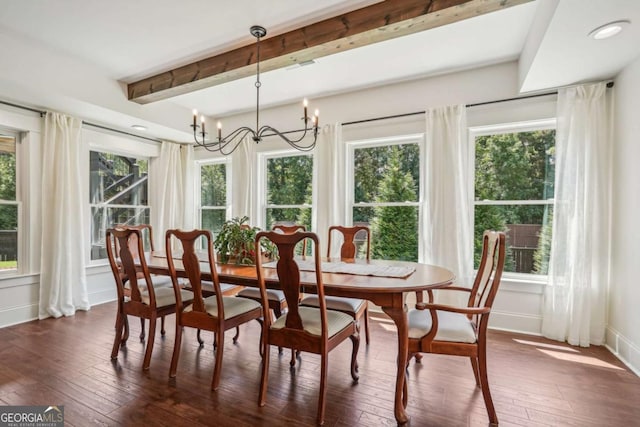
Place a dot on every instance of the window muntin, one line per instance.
(118, 195)
(386, 195)
(514, 192)
(9, 203)
(213, 196)
(289, 190)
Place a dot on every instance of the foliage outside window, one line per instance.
(289, 190)
(8, 203)
(386, 188)
(118, 195)
(213, 196)
(514, 190)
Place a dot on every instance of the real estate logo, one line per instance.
(32, 416)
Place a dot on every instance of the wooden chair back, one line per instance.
(289, 279)
(289, 229)
(348, 248)
(145, 231)
(192, 268)
(124, 246)
(487, 281)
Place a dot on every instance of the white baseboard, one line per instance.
(16, 315)
(515, 322)
(100, 297)
(623, 349)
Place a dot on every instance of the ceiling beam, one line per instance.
(382, 21)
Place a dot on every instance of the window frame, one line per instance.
(148, 207)
(500, 129)
(263, 206)
(350, 204)
(198, 188)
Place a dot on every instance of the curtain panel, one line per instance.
(574, 307)
(63, 282)
(447, 220)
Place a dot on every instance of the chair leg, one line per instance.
(176, 349)
(235, 337)
(323, 389)
(152, 335)
(355, 339)
(366, 323)
(474, 366)
(262, 396)
(118, 338)
(141, 329)
(200, 340)
(218, 365)
(125, 337)
(484, 384)
(162, 331)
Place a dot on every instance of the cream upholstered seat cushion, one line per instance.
(311, 322)
(351, 305)
(156, 281)
(254, 293)
(224, 287)
(233, 306)
(452, 327)
(165, 296)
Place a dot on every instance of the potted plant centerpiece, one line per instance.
(234, 243)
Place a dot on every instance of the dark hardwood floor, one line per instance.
(535, 382)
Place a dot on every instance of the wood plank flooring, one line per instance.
(535, 382)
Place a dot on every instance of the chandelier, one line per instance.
(228, 143)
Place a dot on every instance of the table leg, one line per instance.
(399, 317)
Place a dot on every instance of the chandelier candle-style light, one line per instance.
(228, 144)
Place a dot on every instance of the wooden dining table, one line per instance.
(387, 292)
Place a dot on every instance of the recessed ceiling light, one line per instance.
(608, 30)
(139, 127)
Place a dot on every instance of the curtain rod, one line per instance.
(396, 116)
(42, 113)
(120, 131)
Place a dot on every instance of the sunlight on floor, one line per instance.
(586, 360)
(551, 346)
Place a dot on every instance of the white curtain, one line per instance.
(63, 282)
(447, 222)
(243, 180)
(167, 190)
(329, 196)
(575, 297)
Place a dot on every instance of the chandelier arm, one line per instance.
(293, 142)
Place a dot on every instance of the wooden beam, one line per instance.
(382, 21)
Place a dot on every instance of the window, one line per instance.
(9, 203)
(213, 196)
(386, 194)
(289, 190)
(118, 192)
(514, 190)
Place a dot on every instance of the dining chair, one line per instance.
(357, 308)
(216, 313)
(462, 331)
(312, 329)
(137, 297)
(277, 300)
(158, 281)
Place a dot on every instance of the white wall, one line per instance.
(623, 332)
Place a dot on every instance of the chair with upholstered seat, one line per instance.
(312, 329)
(462, 331)
(216, 313)
(140, 298)
(358, 308)
(157, 281)
(277, 301)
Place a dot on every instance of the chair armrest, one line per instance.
(463, 310)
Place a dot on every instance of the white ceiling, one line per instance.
(80, 53)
